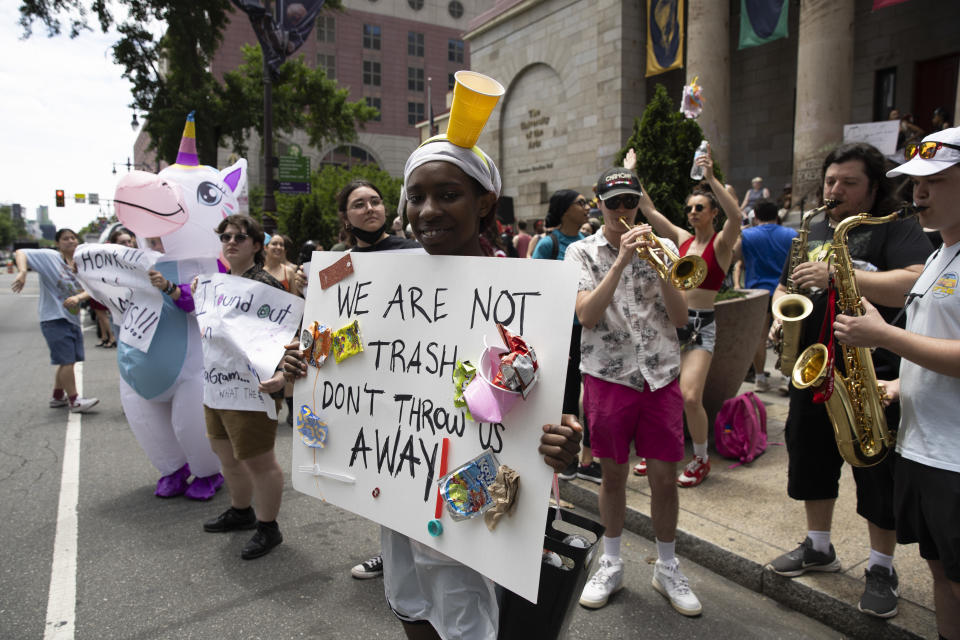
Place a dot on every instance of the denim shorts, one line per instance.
(64, 339)
(700, 331)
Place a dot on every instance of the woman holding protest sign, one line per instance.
(451, 194)
(244, 440)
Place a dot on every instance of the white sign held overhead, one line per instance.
(882, 135)
(385, 412)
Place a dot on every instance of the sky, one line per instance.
(64, 120)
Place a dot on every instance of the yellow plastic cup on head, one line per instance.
(474, 97)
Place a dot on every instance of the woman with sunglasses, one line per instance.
(697, 339)
(244, 440)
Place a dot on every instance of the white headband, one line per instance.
(473, 162)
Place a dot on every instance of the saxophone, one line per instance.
(856, 405)
(792, 309)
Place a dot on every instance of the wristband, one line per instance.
(170, 288)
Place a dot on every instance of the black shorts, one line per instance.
(927, 502)
(813, 472)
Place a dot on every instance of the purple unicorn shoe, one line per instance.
(204, 488)
(174, 484)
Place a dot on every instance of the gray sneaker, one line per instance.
(881, 593)
(805, 558)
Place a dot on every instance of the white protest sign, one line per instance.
(389, 408)
(116, 276)
(882, 135)
(244, 325)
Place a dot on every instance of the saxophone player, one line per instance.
(927, 480)
(887, 259)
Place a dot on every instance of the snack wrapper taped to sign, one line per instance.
(315, 343)
(504, 491)
(519, 367)
(336, 272)
(465, 490)
(347, 342)
(462, 376)
(313, 431)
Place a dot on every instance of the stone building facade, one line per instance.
(574, 73)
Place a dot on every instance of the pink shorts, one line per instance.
(617, 414)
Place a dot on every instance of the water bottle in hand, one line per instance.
(696, 171)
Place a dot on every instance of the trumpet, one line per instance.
(683, 273)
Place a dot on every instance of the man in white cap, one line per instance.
(927, 481)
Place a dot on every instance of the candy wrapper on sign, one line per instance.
(347, 342)
(692, 103)
(503, 377)
(313, 431)
(465, 490)
(315, 343)
(463, 375)
(504, 491)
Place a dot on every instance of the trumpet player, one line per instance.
(927, 481)
(630, 361)
(887, 259)
(698, 337)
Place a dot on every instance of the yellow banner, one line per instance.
(664, 36)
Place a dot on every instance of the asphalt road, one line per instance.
(145, 569)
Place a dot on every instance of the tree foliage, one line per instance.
(170, 75)
(314, 216)
(665, 142)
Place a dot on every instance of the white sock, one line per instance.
(701, 450)
(611, 548)
(821, 540)
(878, 559)
(666, 551)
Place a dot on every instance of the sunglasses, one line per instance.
(927, 150)
(693, 207)
(227, 237)
(581, 202)
(627, 201)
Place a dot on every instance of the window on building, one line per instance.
(414, 44)
(415, 113)
(327, 62)
(455, 9)
(414, 79)
(371, 73)
(348, 155)
(375, 103)
(455, 50)
(416, 5)
(884, 92)
(371, 37)
(326, 29)
(451, 82)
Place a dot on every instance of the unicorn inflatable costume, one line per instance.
(162, 389)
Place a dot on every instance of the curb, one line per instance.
(828, 598)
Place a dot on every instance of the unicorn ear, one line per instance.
(235, 176)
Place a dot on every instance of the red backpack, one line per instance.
(740, 431)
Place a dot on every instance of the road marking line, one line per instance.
(62, 598)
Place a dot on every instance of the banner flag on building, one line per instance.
(762, 21)
(280, 37)
(664, 36)
(880, 4)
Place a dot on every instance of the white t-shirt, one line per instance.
(57, 283)
(929, 430)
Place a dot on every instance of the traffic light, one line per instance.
(60, 197)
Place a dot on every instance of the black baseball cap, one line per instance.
(617, 181)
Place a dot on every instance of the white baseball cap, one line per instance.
(944, 157)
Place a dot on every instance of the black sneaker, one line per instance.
(805, 558)
(881, 593)
(570, 473)
(231, 520)
(262, 542)
(589, 472)
(372, 568)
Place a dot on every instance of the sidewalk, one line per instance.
(741, 518)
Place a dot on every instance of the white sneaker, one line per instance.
(82, 405)
(670, 582)
(605, 582)
(763, 382)
(59, 402)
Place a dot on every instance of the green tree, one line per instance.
(8, 232)
(665, 142)
(170, 75)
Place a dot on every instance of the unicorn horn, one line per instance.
(187, 154)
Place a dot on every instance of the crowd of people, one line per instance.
(640, 350)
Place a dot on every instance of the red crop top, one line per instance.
(715, 274)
